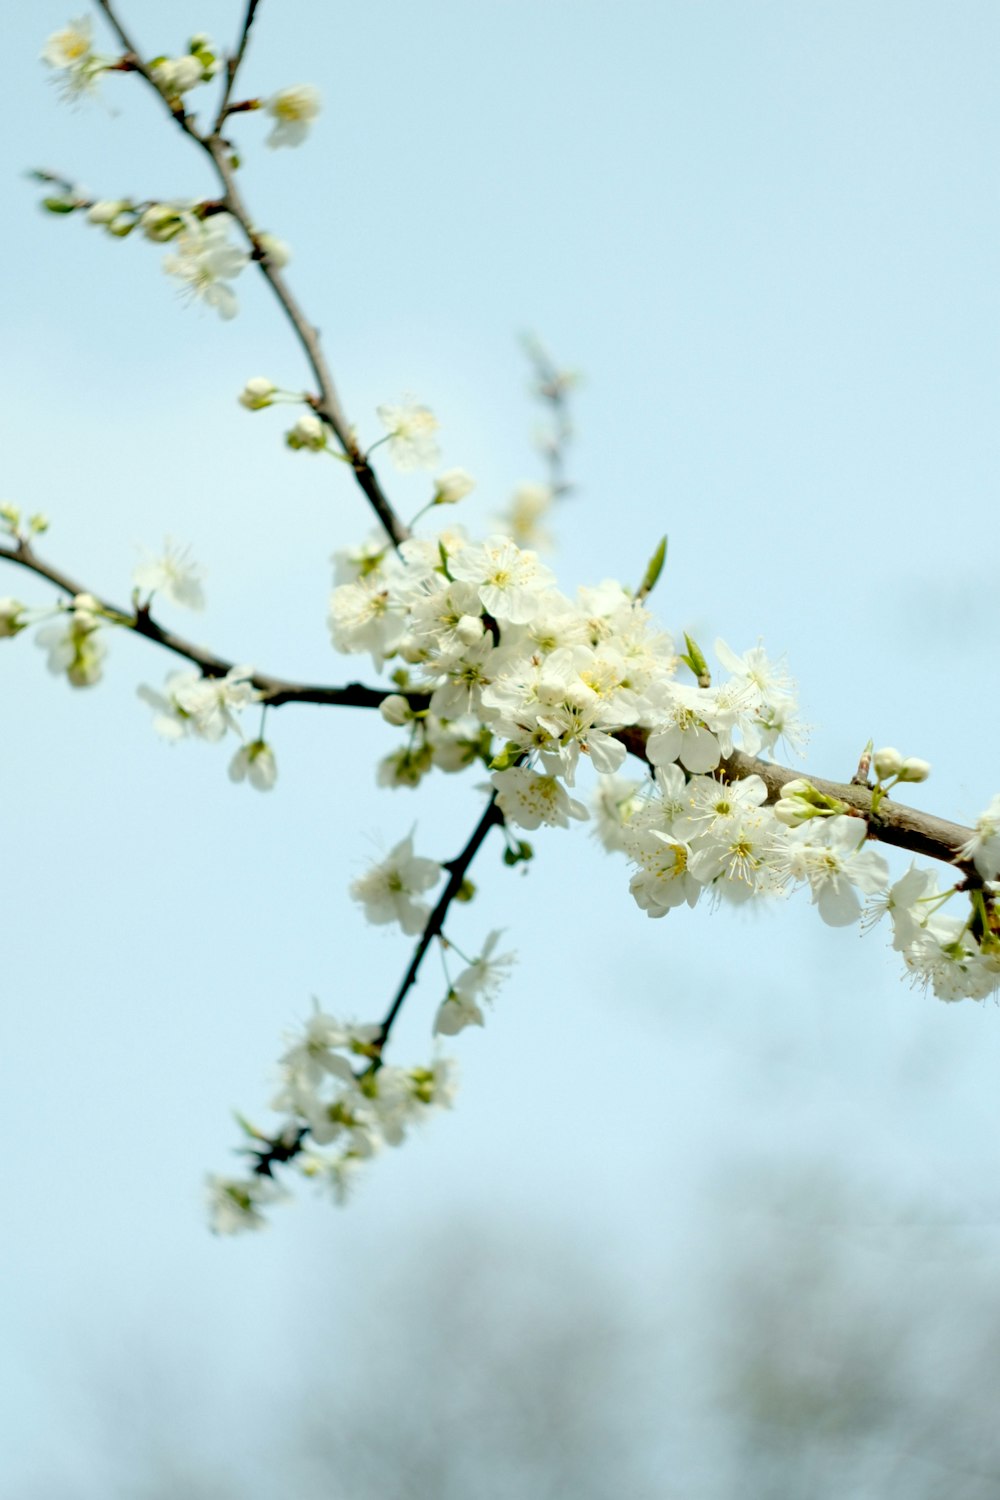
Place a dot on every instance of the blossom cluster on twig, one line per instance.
(484, 663)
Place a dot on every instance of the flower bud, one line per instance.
(11, 622)
(914, 769)
(257, 393)
(887, 762)
(308, 432)
(106, 210)
(453, 486)
(469, 629)
(278, 252)
(395, 710)
(121, 225)
(161, 222)
(799, 786)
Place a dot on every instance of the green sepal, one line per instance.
(509, 756)
(247, 1128)
(696, 661)
(519, 855)
(466, 891)
(653, 570)
(59, 205)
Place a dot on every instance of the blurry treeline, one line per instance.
(830, 1343)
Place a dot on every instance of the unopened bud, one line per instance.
(257, 393)
(278, 252)
(395, 710)
(469, 629)
(914, 769)
(308, 432)
(106, 210)
(11, 622)
(887, 762)
(453, 486)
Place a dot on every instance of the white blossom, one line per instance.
(388, 889)
(832, 855)
(293, 111)
(211, 703)
(206, 262)
(235, 1203)
(984, 846)
(174, 574)
(411, 430)
(529, 800)
(254, 762)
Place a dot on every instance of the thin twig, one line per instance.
(233, 65)
(274, 690)
(893, 823)
(457, 870)
(279, 1149)
(327, 404)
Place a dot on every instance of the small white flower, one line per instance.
(76, 648)
(255, 763)
(387, 890)
(509, 581)
(411, 430)
(235, 1203)
(453, 485)
(984, 846)
(174, 574)
(455, 1013)
(522, 520)
(66, 48)
(529, 800)
(212, 702)
(70, 53)
(171, 722)
(833, 858)
(204, 259)
(293, 111)
(484, 976)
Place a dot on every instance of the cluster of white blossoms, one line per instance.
(175, 76)
(335, 1092)
(490, 662)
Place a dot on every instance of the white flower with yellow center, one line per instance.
(293, 111)
(204, 259)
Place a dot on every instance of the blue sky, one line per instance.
(766, 235)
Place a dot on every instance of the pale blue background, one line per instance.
(767, 234)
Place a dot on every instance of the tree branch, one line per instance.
(327, 404)
(893, 823)
(457, 870)
(274, 690)
(233, 65)
(280, 1148)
